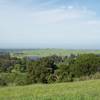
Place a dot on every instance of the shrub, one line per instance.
(2, 82)
(14, 78)
(9, 77)
(21, 79)
(64, 73)
(96, 76)
(83, 78)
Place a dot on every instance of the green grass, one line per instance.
(49, 52)
(86, 90)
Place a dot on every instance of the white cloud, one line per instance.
(62, 25)
(61, 14)
(70, 7)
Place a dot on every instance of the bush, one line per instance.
(96, 76)
(83, 78)
(2, 82)
(14, 78)
(21, 79)
(9, 77)
(64, 73)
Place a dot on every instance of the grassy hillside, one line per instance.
(86, 90)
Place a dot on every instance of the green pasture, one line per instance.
(49, 52)
(84, 90)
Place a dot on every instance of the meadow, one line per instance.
(49, 52)
(83, 90)
(76, 90)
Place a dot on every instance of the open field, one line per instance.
(86, 90)
(49, 52)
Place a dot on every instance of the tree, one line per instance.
(86, 64)
(39, 71)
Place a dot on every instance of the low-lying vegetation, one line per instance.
(83, 90)
(50, 69)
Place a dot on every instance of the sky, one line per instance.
(70, 24)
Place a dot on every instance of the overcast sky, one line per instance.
(71, 24)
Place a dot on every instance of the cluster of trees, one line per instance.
(22, 71)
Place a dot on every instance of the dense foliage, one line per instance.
(22, 71)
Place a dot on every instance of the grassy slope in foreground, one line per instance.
(86, 90)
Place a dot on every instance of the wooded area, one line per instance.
(50, 69)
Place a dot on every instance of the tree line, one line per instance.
(50, 69)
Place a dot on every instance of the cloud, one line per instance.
(62, 14)
(70, 7)
(64, 24)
